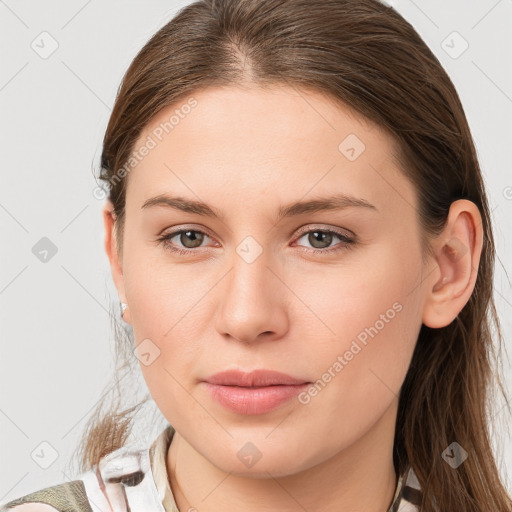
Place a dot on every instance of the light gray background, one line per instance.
(56, 339)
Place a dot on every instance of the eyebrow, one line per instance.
(326, 203)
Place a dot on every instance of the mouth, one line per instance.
(257, 392)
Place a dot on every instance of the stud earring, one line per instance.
(123, 307)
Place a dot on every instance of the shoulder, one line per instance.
(122, 480)
(65, 497)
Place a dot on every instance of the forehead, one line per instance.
(278, 142)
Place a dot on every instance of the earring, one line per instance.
(123, 307)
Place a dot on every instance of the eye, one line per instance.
(321, 239)
(190, 238)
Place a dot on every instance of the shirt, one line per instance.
(135, 479)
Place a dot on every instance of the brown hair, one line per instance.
(363, 54)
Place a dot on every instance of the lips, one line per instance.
(256, 392)
(256, 378)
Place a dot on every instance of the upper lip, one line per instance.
(255, 378)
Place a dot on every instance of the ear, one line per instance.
(457, 251)
(113, 255)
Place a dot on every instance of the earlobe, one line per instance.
(457, 251)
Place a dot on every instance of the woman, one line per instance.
(300, 237)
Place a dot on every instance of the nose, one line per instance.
(252, 299)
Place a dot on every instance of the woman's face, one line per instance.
(255, 289)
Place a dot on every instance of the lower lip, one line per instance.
(245, 400)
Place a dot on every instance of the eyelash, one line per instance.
(346, 241)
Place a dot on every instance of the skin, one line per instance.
(247, 152)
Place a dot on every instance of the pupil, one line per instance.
(327, 237)
(196, 239)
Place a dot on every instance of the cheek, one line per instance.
(370, 317)
(168, 322)
(361, 369)
(155, 289)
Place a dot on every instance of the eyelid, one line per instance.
(184, 227)
(339, 231)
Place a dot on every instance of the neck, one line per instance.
(359, 477)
